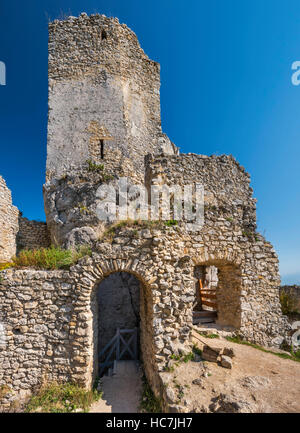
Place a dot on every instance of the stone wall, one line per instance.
(36, 308)
(50, 322)
(50, 319)
(101, 85)
(17, 232)
(248, 274)
(32, 234)
(227, 193)
(8, 224)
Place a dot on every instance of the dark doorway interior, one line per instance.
(118, 298)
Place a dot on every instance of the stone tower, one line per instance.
(104, 96)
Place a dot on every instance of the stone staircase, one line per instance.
(204, 316)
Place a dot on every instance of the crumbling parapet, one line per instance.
(17, 232)
(32, 234)
(9, 224)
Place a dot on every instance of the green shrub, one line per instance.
(288, 302)
(50, 258)
(296, 354)
(139, 224)
(189, 357)
(4, 266)
(56, 398)
(171, 223)
(196, 350)
(92, 166)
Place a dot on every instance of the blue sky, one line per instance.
(226, 88)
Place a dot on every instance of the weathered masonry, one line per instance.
(104, 124)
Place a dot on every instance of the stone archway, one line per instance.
(144, 321)
(91, 279)
(165, 308)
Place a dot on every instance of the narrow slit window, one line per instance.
(102, 149)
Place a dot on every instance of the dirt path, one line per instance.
(257, 382)
(122, 391)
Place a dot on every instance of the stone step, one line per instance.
(204, 316)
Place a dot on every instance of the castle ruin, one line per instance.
(104, 112)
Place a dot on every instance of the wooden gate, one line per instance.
(124, 342)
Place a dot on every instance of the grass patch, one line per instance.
(98, 168)
(196, 350)
(149, 403)
(170, 223)
(297, 354)
(92, 166)
(138, 224)
(169, 369)
(4, 266)
(50, 258)
(292, 356)
(129, 223)
(203, 334)
(189, 357)
(175, 357)
(56, 398)
(184, 358)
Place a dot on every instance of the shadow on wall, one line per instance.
(118, 298)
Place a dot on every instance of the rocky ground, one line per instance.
(258, 382)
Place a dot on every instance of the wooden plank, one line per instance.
(208, 290)
(107, 346)
(209, 304)
(103, 366)
(204, 313)
(127, 346)
(208, 296)
(110, 352)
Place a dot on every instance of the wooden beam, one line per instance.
(209, 304)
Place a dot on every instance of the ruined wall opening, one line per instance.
(120, 302)
(205, 305)
(217, 294)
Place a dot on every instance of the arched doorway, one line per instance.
(118, 297)
(122, 316)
